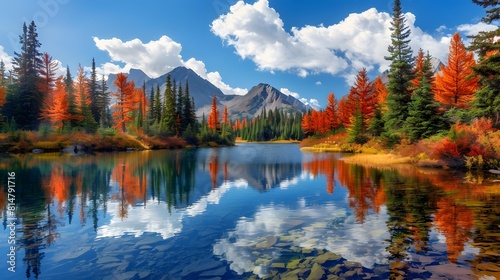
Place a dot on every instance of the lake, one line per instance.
(246, 212)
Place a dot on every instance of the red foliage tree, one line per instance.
(127, 101)
(331, 119)
(56, 112)
(344, 113)
(364, 96)
(46, 82)
(213, 118)
(456, 85)
(81, 89)
(225, 119)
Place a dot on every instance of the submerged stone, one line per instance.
(293, 264)
(327, 257)
(278, 265)
(317, 272)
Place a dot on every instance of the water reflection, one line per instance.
(252, 209)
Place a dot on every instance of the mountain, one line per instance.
(262, 96)
(136, 75)
(200, 89)
(239, 106)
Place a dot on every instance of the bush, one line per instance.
(471, 146)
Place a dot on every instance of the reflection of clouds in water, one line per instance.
(324, 227)
(214, 196)
(156, 218)
(288, 183)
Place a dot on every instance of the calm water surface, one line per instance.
(250, 211)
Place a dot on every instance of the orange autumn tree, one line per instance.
(380, 91)
(56, 111)
(46, 82)
(344, 114)
(127, 101)
(331, 119)
(225, 119)
(213, 118)
(456, 85)
(363, 96)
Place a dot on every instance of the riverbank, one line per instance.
(22, 142)
(239, 140)
(374, 152)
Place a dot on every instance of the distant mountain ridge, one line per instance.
(239, 106)
(260, 97)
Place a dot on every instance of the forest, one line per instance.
(450, 116)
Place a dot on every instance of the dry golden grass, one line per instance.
(377, 159)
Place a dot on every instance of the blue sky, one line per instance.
(305, 48)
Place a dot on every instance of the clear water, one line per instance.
(250, 211)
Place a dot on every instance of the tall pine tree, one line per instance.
(487, 99)
(28, 100)
(424, 118)
(400, 72)
(94, 93)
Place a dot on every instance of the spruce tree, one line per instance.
(157, 105)
(424, 118)
(3, 74)
(103, 100)
(400, 72)
(28, 100)
(487, 45)
(94, 93)
(167, 125)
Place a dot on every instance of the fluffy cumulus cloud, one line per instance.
(155, 58)
(473, 29)
(256, 32)
(360, 40)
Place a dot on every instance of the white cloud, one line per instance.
(256, 31)
(474, 29)
(155, 58)
(7, 59)
(318, 83)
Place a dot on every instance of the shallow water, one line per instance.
(250, 211)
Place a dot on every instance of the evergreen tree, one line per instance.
(72, 108)
(3, 74)
(103, 100)
(94, 93)
(376, 127)
(157, 105)
(188, 112)
(356, 131)
(487, 45)
(28, 100)
(424, 118)
(400, 72)
(178, 111)
(167, 125)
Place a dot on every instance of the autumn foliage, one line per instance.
(127, 101)
(213, 117)
(479, 139)
(55, 109)
(456, 85)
